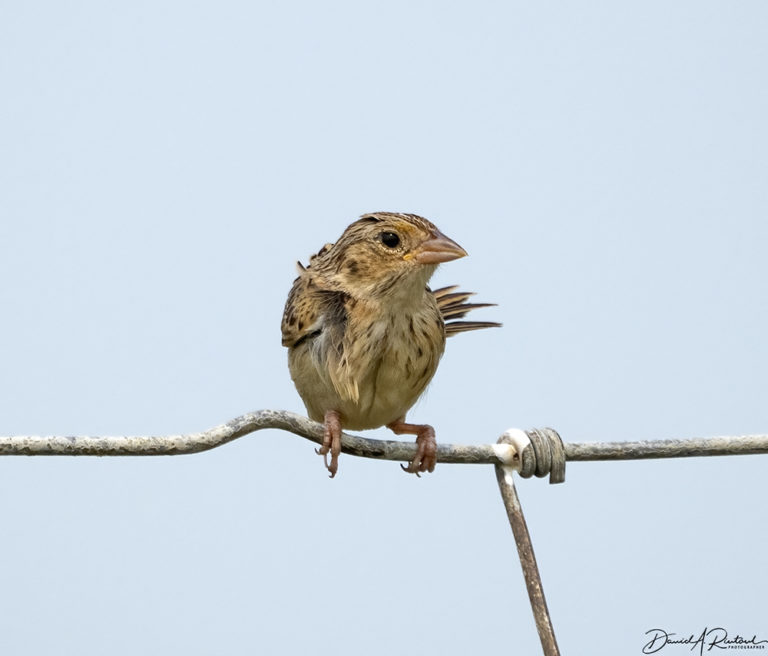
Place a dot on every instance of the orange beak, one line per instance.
(438, 248)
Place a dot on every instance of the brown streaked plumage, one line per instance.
(365, 333)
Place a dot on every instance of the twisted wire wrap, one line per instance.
(545, 454)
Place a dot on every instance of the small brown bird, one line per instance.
(365, 333)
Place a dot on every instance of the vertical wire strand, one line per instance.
(528, 561)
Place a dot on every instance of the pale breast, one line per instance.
(382, 368)
(409, 350)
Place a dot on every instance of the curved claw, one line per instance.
(426, 446)
(410, 469)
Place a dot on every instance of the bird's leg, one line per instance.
(426, 445)
(331, 441)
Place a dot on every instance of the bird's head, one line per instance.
(388, 253)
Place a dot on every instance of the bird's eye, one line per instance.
(390, 239)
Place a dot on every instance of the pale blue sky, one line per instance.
(162, 167)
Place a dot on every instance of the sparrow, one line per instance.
(365, 333)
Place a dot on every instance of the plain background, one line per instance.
(162, 167)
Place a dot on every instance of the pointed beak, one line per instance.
(438, 248)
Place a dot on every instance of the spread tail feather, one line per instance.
(453, 305)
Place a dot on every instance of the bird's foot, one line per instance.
(331, 441)
(426, 446)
